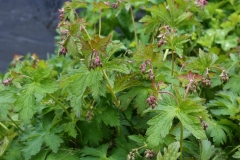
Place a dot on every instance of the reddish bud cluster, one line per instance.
(63, 51)
(114, 5)
(95, 60)
(193, 87)
(152, 101)
(203, 123)
(131, 155)
(89, 115)
(162, 37)
(149, 154)
(143, 68)
(201, 3)
(206, 82)
(61, 14)
(224, 76)
(150, 72)
(7, 81)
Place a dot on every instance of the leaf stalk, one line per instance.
(181, 140)
(134, 27)
(16, 125)
(111, 89)
(1, 124)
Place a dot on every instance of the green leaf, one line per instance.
(6, 141)
(218, 132)
(233, 84)
(72, 46)
(118, 65)
(187, 111)
(207, 150)
(171, 153)
(100, 152)
(123, 147)
(99, 6)
(206, 40)
(146, 53)
(76, 84)
(4, 110)
(137, 138)
(159, 127)
(25, 104)
(176, 42)
(109, 116)
(14, 151)
(124, 82)
(192, 124)
(205, 60)
(53, 141)
(38, 83)
(70, 128)
(236, 154)
(32, 147)
(140, 94)
(230, 42)
(225, 104)
(74, 28)
(64, 153)
(175, 15)
(91, 132)
(150, 23)
(220, 34)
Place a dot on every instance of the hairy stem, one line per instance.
(84, 28)
(110, 89)
(134, 27)
(170, 95)
(14, 123)
(61, 105)
(234, 149)
(188, 87)
(172, 62)
(1, 124)
(181, 140)
(100, 22)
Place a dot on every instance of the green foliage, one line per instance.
(171, 153)
(118, 91)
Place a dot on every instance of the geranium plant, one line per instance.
(128, 87)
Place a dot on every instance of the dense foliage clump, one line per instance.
(160, 86)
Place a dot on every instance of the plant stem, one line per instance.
(61, 105)
(110, 89)
(134, 27)
(1, 124)
(65, 110)
(172, 62)
(100, 22)
(234, 149)
(84, 28)
(189, 85)
(170, 95)
(15, 123)
(181, 140)
(135, 149)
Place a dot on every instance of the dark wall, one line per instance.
(27, 26)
